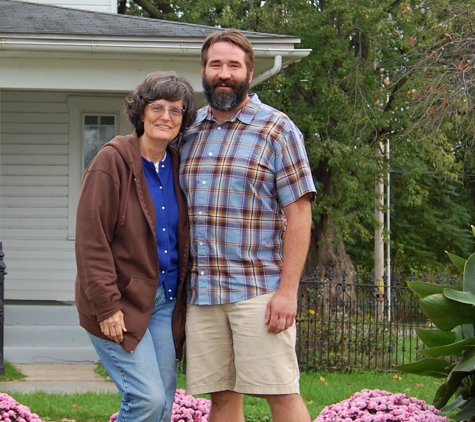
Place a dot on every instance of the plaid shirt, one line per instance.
(237, 176)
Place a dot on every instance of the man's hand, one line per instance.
(114, 327)
(282, 308)
(280, 312)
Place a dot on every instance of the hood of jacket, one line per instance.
(128, 149)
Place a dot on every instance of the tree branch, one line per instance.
(149, 8)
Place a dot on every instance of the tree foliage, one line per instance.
(380, 72)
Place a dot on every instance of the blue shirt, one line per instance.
(162, 191)
(237, 176)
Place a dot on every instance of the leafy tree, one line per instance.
(156, 9)
(380, 71)
(434, 219)
(439, 97)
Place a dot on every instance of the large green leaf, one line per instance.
(434, 338)
(454, 349)
(462, 297)
(423, 289)
(437, 368)
(467, 363)
(447, 390)
(464, 331)
(467, 412)
(458, 403)
(445, 313)
(457, 260)
(469, 275)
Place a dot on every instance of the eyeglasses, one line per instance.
(174, 111)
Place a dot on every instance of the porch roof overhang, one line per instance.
(46, 47)
(114, 63)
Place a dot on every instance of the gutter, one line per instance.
(269, 73)
(135, 49)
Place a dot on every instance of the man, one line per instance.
(244, 171)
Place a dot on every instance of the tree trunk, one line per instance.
(327, 253)
(336, 272)
(327, 250)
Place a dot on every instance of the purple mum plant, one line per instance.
(186, 408)
(12, 411)
(380, 406)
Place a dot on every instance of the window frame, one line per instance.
(99, 124)
(79, 107)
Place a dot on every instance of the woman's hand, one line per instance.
(114, 327)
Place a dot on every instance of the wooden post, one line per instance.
(379, 239)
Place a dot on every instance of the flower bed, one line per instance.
(186, 408)
(380, 406)
(12, 411)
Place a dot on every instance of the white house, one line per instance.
(65, 68)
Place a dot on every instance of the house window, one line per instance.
(97, 131)
(93, 121)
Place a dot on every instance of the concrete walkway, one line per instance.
(58, 378)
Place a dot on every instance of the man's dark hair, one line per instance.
(232, 36)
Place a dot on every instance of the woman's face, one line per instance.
(162, 120)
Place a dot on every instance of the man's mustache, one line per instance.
(227, 83)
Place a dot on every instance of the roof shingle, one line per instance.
(29, 18)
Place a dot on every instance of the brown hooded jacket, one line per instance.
(116, 246)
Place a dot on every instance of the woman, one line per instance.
(132, 249)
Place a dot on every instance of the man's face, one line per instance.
(226, 79)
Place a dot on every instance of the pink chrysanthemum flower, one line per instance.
(12, 411)
(380, 406)
(186, 408)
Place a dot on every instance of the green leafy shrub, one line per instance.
(449, 352)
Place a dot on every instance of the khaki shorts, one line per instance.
(228, 348)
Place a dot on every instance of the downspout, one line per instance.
(269, 73)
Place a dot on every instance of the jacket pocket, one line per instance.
(138, 296)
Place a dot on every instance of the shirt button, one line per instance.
(163, 166)
(164, 229)
(210, 154)
(165, 251)
(203, 182)
(202, 273)
(200, 243)
(200, 213)
(163, 208)
(163, 272)
(161, 187)
(219, 127)
(169, 290)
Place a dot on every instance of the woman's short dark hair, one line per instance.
(161, 86)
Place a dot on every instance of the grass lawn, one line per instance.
(317, 389)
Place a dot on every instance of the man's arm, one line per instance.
(282, 308)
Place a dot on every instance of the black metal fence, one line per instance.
(346, 326)
(2, 318)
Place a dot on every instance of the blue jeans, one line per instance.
(146, 378)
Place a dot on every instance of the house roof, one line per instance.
(52, 47)
(18, 17)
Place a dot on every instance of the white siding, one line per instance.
(34, 196)
(36, 187)
(109, 6)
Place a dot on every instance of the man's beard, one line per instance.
(225, 101)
